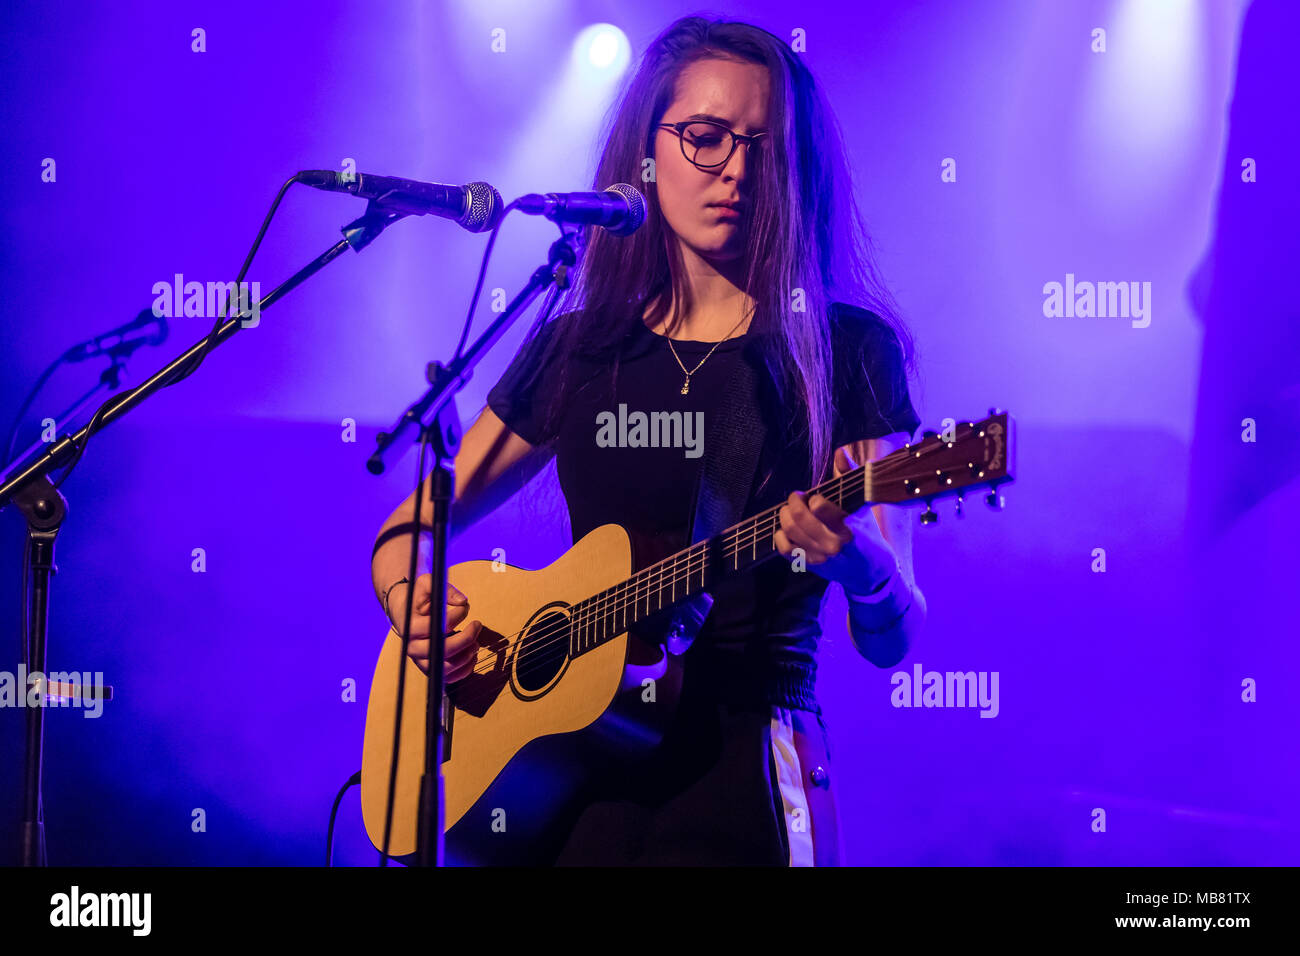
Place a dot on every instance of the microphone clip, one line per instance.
(362, 231)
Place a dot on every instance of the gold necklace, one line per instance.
(686, 385)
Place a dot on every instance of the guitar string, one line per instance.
(760, 526)
(555, 639)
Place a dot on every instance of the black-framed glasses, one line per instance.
(709, 145)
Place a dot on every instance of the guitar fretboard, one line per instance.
(604, 616)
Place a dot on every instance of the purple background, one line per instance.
(1119, 690)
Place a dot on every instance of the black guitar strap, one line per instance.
(728, 476)
(731, 464)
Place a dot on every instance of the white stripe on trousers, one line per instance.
(795, 756)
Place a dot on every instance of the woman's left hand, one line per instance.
(839, 546)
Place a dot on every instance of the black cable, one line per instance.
(548, 306)
(208, 344)
(334, 812)
(414, 558)
(482, 274)
(93, 426)
(27, 403)
(415, 539)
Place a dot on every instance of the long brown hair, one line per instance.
(804, 219)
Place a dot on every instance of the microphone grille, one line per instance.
(484, 210)
(636, 205)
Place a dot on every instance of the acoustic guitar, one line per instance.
(579, 662)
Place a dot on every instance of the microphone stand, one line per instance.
(44, 507)
(110, 379)
(41, 533)
(437, 423)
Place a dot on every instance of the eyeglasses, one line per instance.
(709, 145)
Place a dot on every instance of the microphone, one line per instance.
(123, 340)
(620, 208)
(475, 206)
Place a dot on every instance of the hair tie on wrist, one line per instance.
(388, 591)
(886, 606)
(877, 594)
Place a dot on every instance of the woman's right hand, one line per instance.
(461, 645)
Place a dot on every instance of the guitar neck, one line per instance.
(738, 549)
(970, 454)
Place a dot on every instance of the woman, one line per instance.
(750, 236)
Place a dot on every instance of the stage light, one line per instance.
(1143, 107)
(602, 49)
(557, 144)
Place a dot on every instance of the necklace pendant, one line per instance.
(686, 385)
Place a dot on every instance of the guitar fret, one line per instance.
(599, 618)
(651, 590)
(602, 616)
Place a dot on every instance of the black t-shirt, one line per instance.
(763, 629)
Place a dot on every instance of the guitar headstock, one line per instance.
(978, 454)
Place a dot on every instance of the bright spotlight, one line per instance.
(602, 49)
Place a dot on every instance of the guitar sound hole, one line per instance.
(543, 652)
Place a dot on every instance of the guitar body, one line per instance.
(549, 707)
(528, 725)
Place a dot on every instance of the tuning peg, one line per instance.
(995, 501)
(929, 515)
(958, 509)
